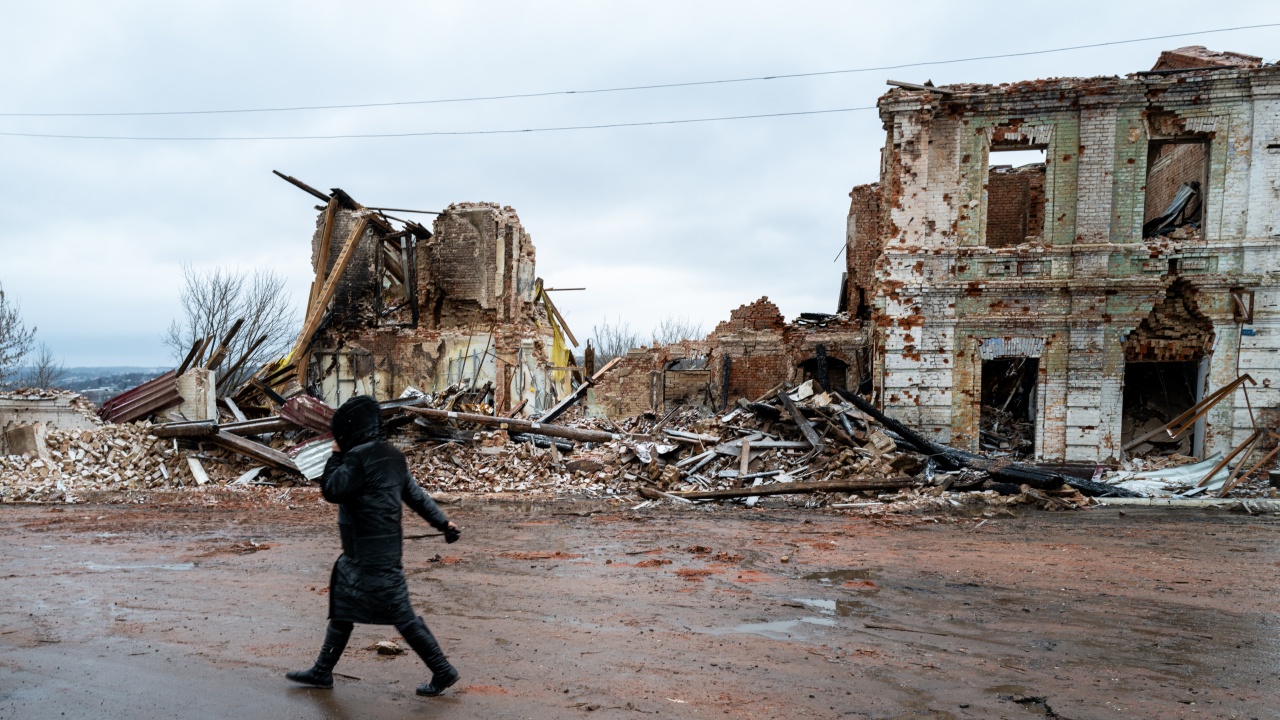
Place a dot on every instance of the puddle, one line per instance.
(843, 608)
(836, 577)
(778, 629)
(858, 579)
(175, 566)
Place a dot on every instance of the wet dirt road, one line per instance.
(137, 612)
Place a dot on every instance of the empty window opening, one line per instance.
(1008, 413)
(837, 372)
(1154, 394)
(397, 286)
(1015, 197)
(1177, 177)
(686, 383)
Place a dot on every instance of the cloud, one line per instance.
(688, 220)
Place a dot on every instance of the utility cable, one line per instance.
(631, 88)
(428, 133)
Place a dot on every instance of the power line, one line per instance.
(630, 88)
(428, 133)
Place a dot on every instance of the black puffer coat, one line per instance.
(369, 479)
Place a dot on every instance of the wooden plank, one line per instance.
(518, 425)
(560, 319)
(805, 428)
(322, 253)
(316, 313)
(220, 353)
(191, 355)
(197, 471)
(574, 396)
(235, 367)
(301, 185)
(235, 411)
(253, 450)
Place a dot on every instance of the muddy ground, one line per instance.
(551, 611)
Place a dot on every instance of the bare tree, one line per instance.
(212, 301)
(46, 373)
(15, 339)
(673, 329)
(613, 340)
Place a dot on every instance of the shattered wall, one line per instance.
(479, 316)
(947, 299)
(864, 245)
(745, 356)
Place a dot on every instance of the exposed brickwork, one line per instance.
(1015, 205)
(1172, 165)
(763, 351)
(1197, 56)
(1174, 330)
(1092, 280)
(479, 318)
(864, 245)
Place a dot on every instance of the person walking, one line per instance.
(369, 479)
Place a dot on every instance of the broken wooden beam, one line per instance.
(301, 186)
(518, 425)
(851, 485)
(802, 422)
(220, 353)
(999, 469)
(194, 429)
(254, 451)
(573, 397)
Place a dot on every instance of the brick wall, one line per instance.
(864, 244)
(1015, 205)
(1172, 165)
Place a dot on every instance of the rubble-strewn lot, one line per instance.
(558, 611)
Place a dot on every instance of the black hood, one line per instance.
(357, 422)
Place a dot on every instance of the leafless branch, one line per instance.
(212, 300)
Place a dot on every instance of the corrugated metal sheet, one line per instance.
(311, 456)
(308, 412)
(146, 399)
(996, 348)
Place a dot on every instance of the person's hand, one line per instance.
(452, 533)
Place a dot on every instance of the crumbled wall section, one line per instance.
(762, 350)
(1092, 279)
(752, 340)
(864, 245)
(481, 267)
(480, 320)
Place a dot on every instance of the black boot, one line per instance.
(424, 643)
(321, 674)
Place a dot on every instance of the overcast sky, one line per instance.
(688, 220)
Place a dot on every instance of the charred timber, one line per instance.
(998, 469)
(517, 425)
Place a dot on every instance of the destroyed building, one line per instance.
(1089, 296)
(748, 356)
(458, 305)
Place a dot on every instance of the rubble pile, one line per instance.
(109, 458)
(496, 464)
(804, 441)
(832, 449)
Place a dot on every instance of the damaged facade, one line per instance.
(457, 305)
(1093, 295)
(751, 355)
